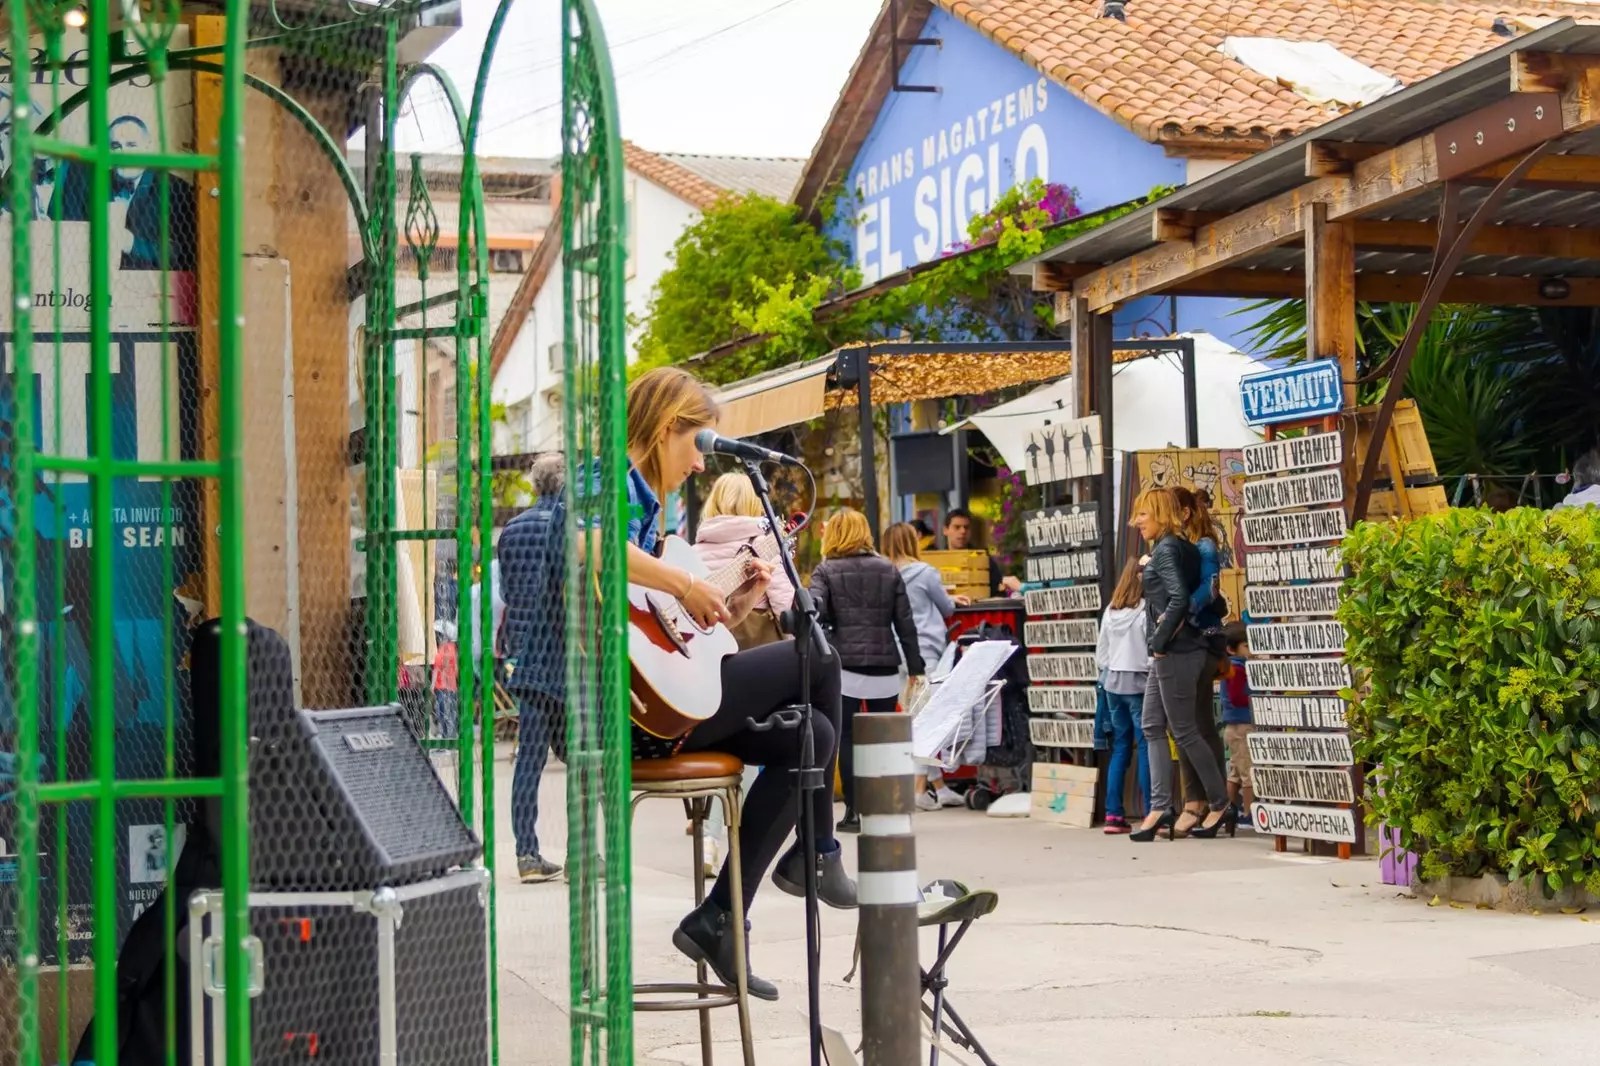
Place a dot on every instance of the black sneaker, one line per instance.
(850, 823)
(834, 886)
(533, 869)
(707, 936)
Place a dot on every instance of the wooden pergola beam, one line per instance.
(1392, 288)
(1578, 173)
(1541, 242)
(1464, 146)
(1327, 159)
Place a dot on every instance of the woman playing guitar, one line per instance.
(666, 408)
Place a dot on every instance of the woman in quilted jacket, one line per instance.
(861, 599)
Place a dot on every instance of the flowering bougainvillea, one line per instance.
(1021, 209)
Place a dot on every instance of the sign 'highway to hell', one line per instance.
(1062, 633)
(1064, 599)
(1298, 528)
(1314, 823)
(1288, 601)
(1296, 638)
(1300, 749)
(1067, 566)
(1294, 783)
(1296, 453)
(1317, 489)
(1048, 699)
(1292, 393)
(1062, 666)
(1297, 675)
(1060, 528)
(1296, 712)
(1293, 564)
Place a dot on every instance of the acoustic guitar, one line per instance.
(677, 665)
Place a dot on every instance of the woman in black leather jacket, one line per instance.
(862, 601)
(1178, 656)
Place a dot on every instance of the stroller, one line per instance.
(994, 734)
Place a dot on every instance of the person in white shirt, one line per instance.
(1585, 483)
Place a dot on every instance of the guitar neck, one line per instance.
(730, 577)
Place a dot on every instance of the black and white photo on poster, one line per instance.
(1295, 783)
(1061, 732)
(1303, 527)
(1297, 675)
(1063, 566)
(1063, 599)
(1321, 488)
(1300, 749)
(1298, 712)
(1292, 601)
(1062, 666)
(1061, 699)
(1283, 565)
(1295, 638)
(1295, 453)
(1054, 529)
(1061, 451)
(1061, 633)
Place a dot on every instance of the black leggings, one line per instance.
(756, 683)
(847, 752)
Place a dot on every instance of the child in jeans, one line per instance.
(1237, 723)
(1123, 658)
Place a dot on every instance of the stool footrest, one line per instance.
(707, 996)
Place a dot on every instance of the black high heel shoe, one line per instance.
(1229, 819)
(1167, 820)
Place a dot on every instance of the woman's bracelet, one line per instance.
(689, 587)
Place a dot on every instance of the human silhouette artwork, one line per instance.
(1035, 476)
(1071, 450)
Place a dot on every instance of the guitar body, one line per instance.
(677, 666)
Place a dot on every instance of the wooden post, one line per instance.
(1331, 293)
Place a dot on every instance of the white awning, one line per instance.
(775, 399)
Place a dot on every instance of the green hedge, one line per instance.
(1472, 637)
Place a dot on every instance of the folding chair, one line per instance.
(947, 903)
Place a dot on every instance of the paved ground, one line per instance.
(1112, 953)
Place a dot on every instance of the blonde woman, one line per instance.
(862, 600)
(666, 408)
(931, 610)
(731, 520)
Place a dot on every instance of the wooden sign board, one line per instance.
(1055, 699)
(1063, 666)
(1313, 786)
(1066, 566)
(1293, 393)
(1298, 712)
(1304, 527)
(1313, 823)
(1062, 633)
(1296, 453)
(1292, 601)
(1063, 599)
(1296, 638)
(1297, 675)
(1283, 565)
(1062, 732)
(1300, 749)
(1061, 451)
(1322, 488)
(1062, 528)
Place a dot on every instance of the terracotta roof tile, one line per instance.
(677, 179)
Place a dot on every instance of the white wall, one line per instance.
(655, 219)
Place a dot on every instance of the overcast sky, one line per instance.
(736, 77)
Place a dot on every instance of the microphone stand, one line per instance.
(808, 777)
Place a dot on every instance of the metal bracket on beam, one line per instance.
(896, 42)
(1519, 123)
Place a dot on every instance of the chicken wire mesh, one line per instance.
(322, 470)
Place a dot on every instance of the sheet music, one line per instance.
(950, 706)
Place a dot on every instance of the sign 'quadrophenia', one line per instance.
(1292, 601)
(1300, 749)
(1295, 712)
(1063, 566)
(1302, 527)
(1064, 599)
(1292, 393)
(1317, 489)
(1062, 528)
(1048, 699)
(1062, 633)
(1284, 565)
(1062, 666)
(1314, 823)
(1297, 675)
(1296, 783)
(1296, 638)
(1296, 453)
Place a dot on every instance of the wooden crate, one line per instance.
(1064, 794)
(960, 569)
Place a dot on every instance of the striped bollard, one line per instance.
(891, 980)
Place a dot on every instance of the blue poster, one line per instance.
(1292, 393)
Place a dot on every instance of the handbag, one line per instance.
(759, 627)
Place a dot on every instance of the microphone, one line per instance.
(710, 442)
